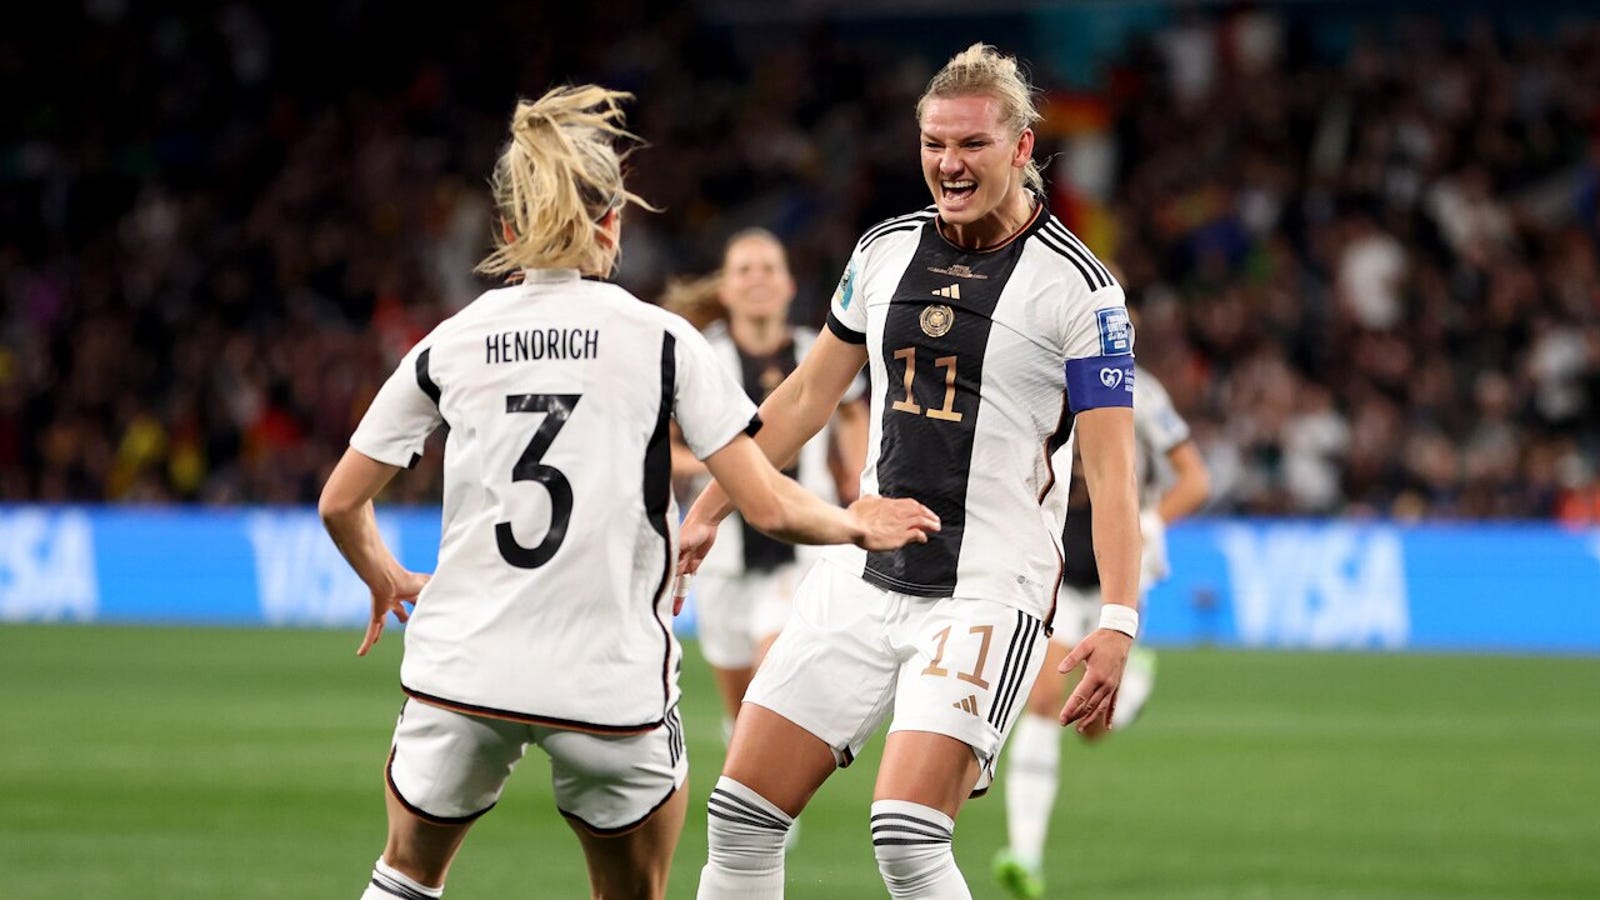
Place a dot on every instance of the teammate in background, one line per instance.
(546, 620)
(986, 325)
(1173, 483)
(744, 585)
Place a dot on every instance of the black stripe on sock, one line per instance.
(748, 806)
(390, 886)
(743, 819)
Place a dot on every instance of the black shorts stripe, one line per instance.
(674, 729)
(903, 842)
(844, 332)
(1005, 673)
(1060, 230)
(1089, 279)
(1028, 627)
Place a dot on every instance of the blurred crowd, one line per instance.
(1370, 278)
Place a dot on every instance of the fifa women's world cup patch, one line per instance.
(1116, 332)
(842, 294)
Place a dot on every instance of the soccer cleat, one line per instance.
(1019, 880)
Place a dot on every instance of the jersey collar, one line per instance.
(1041, 215)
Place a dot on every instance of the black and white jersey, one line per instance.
(1157, 429)
(550, 603)
(978, 361)
(740, 548)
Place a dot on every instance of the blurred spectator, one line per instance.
(1371, 281)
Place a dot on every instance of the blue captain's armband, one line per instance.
(1100, 381)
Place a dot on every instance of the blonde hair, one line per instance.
(557, 178)
(697, 299)
(981, 70)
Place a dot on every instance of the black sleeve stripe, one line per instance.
(1085, 248)
(909, 218)
(910, 226)
(424, 378)
(1060, 231)
(1088, 279)
(754, 428)
(844, 332)
(1059, 240)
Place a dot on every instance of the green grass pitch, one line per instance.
(160, 763)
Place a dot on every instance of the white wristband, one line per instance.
(1121, 618)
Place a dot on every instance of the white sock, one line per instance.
(1138, 683)
(912, 843)
(1033, 758)
(745, 857)
(388, 883)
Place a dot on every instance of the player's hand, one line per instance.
(403, 588)
(1103, 655)
(1153, 561)
(695, 538)
(892, 523)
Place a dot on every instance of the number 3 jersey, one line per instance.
(551, 602)
(978, 362)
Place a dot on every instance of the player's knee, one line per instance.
(912, 844)
(745, 832)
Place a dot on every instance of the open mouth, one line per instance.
(956, 191)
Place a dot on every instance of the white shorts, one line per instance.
(449, 767)
(733, 613)
(853, 651)
(1077, 614)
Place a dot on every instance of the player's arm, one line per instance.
(793, 414)
(1191, 485)
(849, 452)
(684, 463)
(347, 512)
(1106, 445)
(776, 505)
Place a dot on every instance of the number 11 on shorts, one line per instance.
(986, 633)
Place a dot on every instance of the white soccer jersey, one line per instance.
(550, 603)
(978, 360)
(740, 548)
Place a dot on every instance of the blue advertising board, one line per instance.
(1252, 583)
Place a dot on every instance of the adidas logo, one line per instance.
(953, 292)
(967, 704)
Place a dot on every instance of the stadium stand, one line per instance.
(1370, 278)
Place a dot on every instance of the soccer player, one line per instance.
(744, 585)
(987, 327)
(1163, 446)
(545, 622)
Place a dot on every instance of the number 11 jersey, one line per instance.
(551, 602)
(978, 362)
